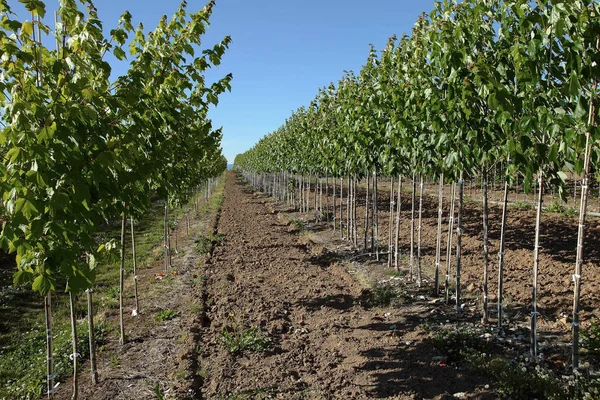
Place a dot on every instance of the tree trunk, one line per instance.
(581, 234)
(354, 203)
(376, 214)
(501, 253)
(166, 235)
(342, 206)
(320, 199)
(74, 341)
(134, 256)
(91, 337)
(412, 228)
(419, 275)
(334, 204)
(449, 244)
(461, 184)
(327, 196)
(121, 278)
(485, 317)
(438, 246)
(391, 224)
(316, 202)
(308, 195)
(367, 212)
(398, 209)
(49, 359)
(348, 202)
(536, 250)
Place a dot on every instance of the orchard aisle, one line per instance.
(300, 314)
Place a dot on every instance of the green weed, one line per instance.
(379, 295)
(165, 315)
(515, 378)
(237, 338)
(298, 223)
(205, 243)
(523, 205)
(115, 362)
(558, 207)
(590, 337)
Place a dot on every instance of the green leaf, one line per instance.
(42, 284)
(574, 86)
(580, 110)
(25, 206)
(119, 53)
(22, 277)
(26, 28)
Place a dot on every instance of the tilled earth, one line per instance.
(325, 343)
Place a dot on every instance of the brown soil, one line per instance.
(558, 243)
(325, 344)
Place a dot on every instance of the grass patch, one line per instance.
(23, 362)
(23, 337)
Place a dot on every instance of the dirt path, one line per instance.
(325, 342)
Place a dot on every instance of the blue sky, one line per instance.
(282, 51)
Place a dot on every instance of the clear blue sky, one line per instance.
(282, 51)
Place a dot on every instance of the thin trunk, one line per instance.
(373, 212)
(327, 196)
(461, 184)
(135, 277)
(376, 215)
(581, 234)
(354, 206)
(438, 245)
(334, 204)
(91, 337)
(348, 211)
(121, 278)
(419, 228)
(299, 194)
(449, 244)
(166, 235)
(308, 195)
(398, 209)
(391, 224)
(176, 232)
(320, 199)
(342, 206)
(169, 252)
(49, 364)
(501, 253)
(412, 228)
(367, 213)
(316, 193)
(187, 219)
(74, 341)
(536, 249)
(485, 318)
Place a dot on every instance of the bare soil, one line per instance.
(325, 342)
